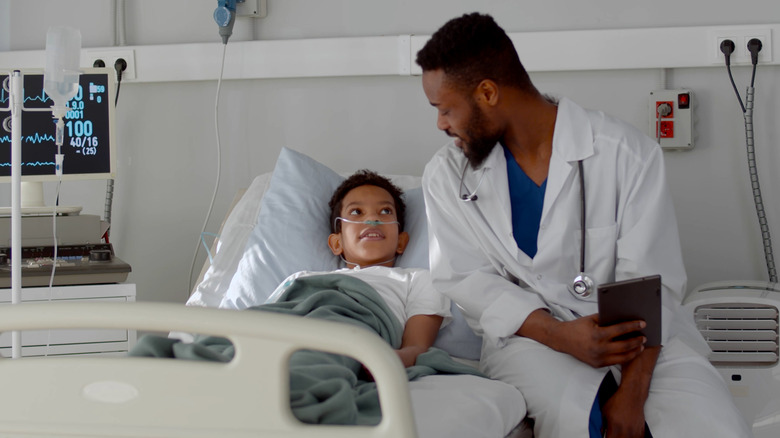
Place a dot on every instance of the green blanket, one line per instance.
(324, 388)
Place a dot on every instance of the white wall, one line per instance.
(167, 140)
(5, 28)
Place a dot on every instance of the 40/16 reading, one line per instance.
(88, 145)
(78, 142)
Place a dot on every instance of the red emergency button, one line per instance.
(684, 100)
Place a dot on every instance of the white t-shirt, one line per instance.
(405, 291)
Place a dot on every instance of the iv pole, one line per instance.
(61, 46)
(16, 99)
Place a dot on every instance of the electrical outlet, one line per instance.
(110, 56)
(740, 37)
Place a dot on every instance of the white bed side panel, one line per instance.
(145, 397)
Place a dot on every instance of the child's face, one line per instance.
(363, 244)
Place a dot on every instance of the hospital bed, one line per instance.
(249, 395)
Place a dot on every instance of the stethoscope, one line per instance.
(469, 197)
(582, 286)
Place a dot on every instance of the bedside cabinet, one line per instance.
(64, 342)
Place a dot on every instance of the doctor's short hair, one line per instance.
(472, 48)
(360, 178)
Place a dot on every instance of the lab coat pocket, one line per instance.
(600, 252)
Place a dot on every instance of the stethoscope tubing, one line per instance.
(582, 286)
(582, 215)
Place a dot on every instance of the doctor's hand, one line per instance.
(584, 339)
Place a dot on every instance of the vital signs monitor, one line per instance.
(88, 146)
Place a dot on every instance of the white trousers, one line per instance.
(688, 397)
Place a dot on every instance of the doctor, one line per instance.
(507, 204)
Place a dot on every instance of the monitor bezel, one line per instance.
(111, 95)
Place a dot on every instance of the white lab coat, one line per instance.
(631, 231)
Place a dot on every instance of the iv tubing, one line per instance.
(219, 171)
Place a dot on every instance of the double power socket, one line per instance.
(111, 56)
(740, 37)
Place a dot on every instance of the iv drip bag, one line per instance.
(61, 75)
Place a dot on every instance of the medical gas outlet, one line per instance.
(671, 118)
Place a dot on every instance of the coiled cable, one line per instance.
(756, 186)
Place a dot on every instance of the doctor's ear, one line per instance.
(487, 92)
(334, 243)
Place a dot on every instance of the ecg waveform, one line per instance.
(30, 139)
(35, 138)
(31, 164)
(43, 98)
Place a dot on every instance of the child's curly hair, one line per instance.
(365, 177)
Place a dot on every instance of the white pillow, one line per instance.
(230, 245)
(291, 231)
(291, 235)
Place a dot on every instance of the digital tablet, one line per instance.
(630, 300)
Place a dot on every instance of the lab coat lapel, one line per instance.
(496, 205)
(557, 175)
(572, 141)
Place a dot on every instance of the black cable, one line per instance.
(120, 66)
(753, 76)
(754, 46)
(118, 85)
(727, 47)
(742, 105)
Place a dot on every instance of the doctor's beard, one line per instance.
(478, 142)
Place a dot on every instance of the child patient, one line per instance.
(400, 305)
(367, 232)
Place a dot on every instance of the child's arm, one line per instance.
(419, 334)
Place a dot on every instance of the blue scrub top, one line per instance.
(527, 200)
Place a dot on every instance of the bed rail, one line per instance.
(88, 396)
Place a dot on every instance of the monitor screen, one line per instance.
(88, 144)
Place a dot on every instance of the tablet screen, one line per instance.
(630, 300)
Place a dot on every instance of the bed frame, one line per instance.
(92, 396)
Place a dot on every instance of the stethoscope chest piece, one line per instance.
(582, 286)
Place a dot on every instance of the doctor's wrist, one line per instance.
(541, 327)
